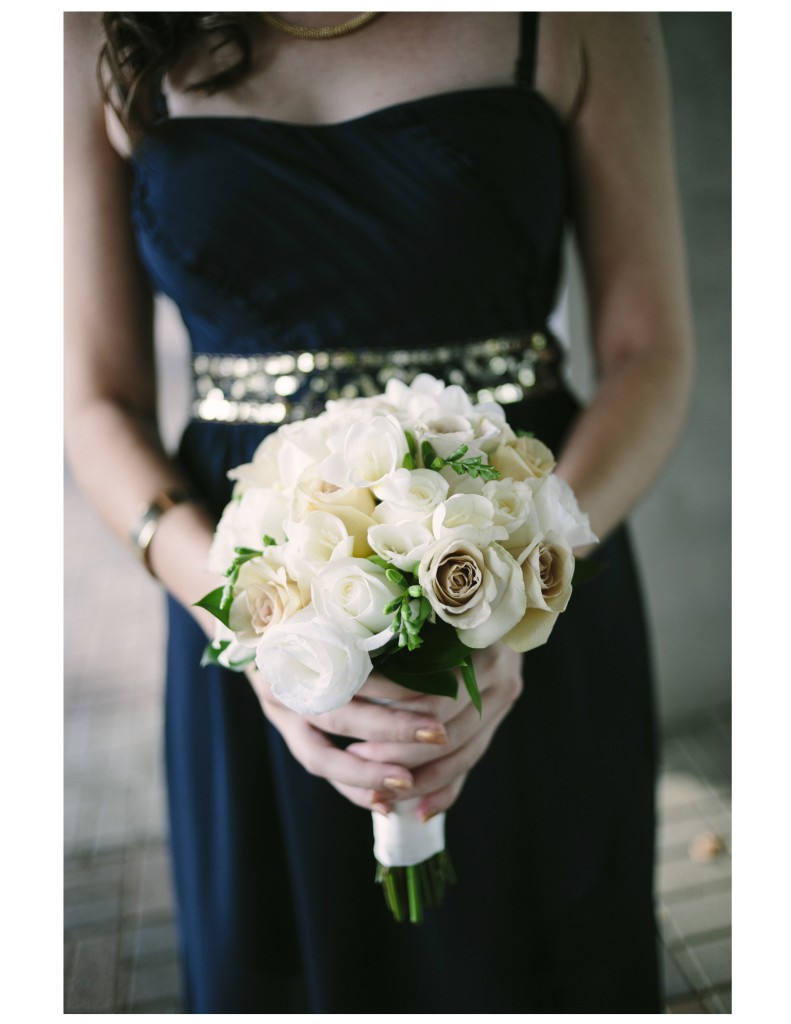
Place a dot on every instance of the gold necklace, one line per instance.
(323, 32)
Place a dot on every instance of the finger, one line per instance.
(320, 757)
(380, 724)
(371, 800)
(442, 800)
(438, 774)
(460, 731)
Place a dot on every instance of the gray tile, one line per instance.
(687, 1004)
(676, 877)
(675, 984)
(91, 987)
(719, 1001)
(702, 914)
(155, 941)
(86, 915)
(707, 964)
(154, 982)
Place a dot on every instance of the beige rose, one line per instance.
(523, 458)
(547, 570)
(479, 591)
(266, 597)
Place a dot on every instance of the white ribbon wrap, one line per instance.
(401, 840)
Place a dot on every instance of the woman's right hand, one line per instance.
(366, 783)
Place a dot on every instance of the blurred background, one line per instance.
(119, 944)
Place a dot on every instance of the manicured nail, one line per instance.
(381, 808)
(435, 735)
(427, 815)
(396, 783)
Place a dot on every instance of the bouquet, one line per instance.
(403, 531)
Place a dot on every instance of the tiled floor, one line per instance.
(119, 948)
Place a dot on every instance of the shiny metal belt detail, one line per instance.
(286, 386)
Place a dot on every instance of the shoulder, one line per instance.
(582, 55)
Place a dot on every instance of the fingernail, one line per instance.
(397, 783)
(427, 815)
(381, 808)
(435, 735)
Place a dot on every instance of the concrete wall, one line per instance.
(682, 527)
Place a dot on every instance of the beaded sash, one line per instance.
(286, 386)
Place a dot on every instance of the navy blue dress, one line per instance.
(424, 223)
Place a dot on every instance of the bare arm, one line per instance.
(110, 403)
(630, 236)
(110, 397)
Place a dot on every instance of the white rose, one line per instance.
(512, 501)
(266, 596)
(468, 516)
(410, 495)
(353, 593)
(312, 542)
(480, 592)
(557, 511)
(244, 522)
(311, 665)
(368, 452)
(284, 456)
(401, 544)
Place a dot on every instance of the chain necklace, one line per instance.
(323, 32)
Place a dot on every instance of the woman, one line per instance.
(402, 185)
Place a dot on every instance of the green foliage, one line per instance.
(474, 467)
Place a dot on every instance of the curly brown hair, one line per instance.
(140, 48)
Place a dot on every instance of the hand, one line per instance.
(439, 773)
(363, 780)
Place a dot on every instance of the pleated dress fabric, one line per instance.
(426, 222)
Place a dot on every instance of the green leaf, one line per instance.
(468, 675)
(269, 542)
(379, 561)
(409, 461)
(245, 554)
(411, 443)
(586, 569)
(440, 684)
(213, 603)
(429, 455)
(458, 454)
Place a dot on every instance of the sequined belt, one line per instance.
(285, 386)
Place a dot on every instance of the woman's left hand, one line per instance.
(440, 772)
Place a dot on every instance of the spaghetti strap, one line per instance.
(528, 32)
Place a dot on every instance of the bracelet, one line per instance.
(147, 522)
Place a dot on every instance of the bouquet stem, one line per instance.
(412, 865)
(409, 889)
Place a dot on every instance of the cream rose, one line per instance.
(311, 665)
(266, 596)
(480, 592)
(523, 458)
(354, 507)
